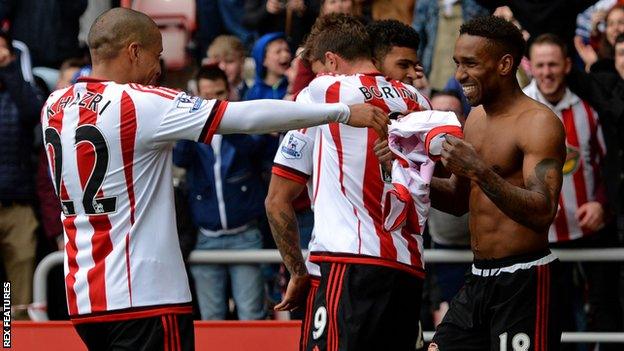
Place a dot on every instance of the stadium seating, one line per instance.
(176, 20)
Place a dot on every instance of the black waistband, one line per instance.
(510, 260)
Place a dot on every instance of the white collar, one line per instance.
(569, 98)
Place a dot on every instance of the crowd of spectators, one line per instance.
(247, 49)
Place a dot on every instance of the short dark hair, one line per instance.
(342, 34)
(502, 33)
(74, 62)
(390, 33)
(551, 39)
(212, 72)
(115, 28)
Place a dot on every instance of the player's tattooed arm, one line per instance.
(286, 234)
(534, 206)
(283, 222)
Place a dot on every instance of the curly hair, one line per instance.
(504, 36)
(344, 35)
(390, 33)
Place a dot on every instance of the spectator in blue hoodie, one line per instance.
(272, 56)
(226, 196)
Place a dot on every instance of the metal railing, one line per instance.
(38, 310)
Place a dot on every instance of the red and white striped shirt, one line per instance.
(109, 149)
(585, 146)
(347, 182)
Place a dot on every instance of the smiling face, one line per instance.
(549, 67)
(400, 64)
(277, 57)
(476, 68)
(614, 25)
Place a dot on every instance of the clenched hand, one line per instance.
(369, 116)
(460, 157)
(384, 154)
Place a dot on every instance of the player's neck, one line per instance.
(360, 66)
(109, 71)
(507, 96)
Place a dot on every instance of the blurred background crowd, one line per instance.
(248, 49)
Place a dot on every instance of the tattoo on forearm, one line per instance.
(534, 206)
(286, 235)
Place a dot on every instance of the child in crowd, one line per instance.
(272, 56)
(228, 52)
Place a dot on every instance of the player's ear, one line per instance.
(376, 62)
(330, 59)
(133, 51)
(505, 65)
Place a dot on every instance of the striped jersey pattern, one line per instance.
(346, 180)
(581, 172)
(109, 151)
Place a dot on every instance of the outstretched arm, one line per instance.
(535, 204)
(283, 222)
(265, 116)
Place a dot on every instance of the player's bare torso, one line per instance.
(495, 138)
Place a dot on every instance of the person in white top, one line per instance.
(356, 255)
(582, 218)
(109, 140)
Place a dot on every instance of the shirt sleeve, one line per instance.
(294, 157)
(167, 115)
(266, 116)
(190, 118)
(171, 117)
